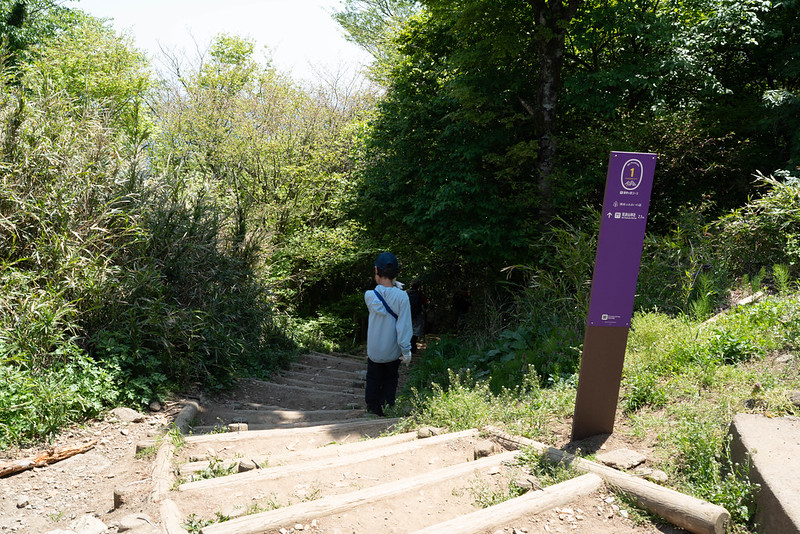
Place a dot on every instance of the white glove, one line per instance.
(406, 358)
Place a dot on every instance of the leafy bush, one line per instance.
(773, 324)
(36, 403)
(316, 266)
(326, 332)
(780, 275)
(469, 403)
(181, 308)
(61, 211)
(444, 359)
(540, 332)
(727, 348)
(548, 351)
(679, 271)
(465, 404)
(765, 231)
(654, 338)
(112, 289)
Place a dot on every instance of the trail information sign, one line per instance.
(629, 184)
(619, 247)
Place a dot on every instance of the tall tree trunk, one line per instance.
(552, 18)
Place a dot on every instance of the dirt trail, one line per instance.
(310, 460)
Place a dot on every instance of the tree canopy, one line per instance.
(500, 115)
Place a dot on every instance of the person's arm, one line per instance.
(403, 328)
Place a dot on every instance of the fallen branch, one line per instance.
(50, 456)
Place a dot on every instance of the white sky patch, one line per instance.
(301, 35)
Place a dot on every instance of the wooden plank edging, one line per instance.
(297, 513)
(689, 513)
(171, 517)
(319, 428)
(532, 503)
(364, 455)
(311, 454)
(162, 471)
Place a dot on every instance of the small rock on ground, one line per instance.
(127, 415)
(621, 459)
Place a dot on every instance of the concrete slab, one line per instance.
(773, 446)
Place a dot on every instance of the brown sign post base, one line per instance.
(600, 378)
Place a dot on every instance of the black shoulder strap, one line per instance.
(385, 305)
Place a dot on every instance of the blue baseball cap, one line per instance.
(386, 260)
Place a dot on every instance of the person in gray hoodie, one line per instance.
(388, 334)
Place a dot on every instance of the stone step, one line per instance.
(771, 448)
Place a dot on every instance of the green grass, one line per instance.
(546, 472)
(684, 379)
(527, 410)
(217, 467)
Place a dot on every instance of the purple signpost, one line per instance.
(619, 253)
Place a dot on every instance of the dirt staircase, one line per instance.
(303, 456)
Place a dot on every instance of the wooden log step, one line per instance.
(687, 512)
(333, 373)
(309, 390)
(321, 386)
(328, 362)
(302, 398)
(222, 418)
(246, 406)
(346, 458)
(532, 503)
(298, 513)
(311, 454)
(342, 355)
(205, 430)
(320, 383)
(321, 378)
(283, 440)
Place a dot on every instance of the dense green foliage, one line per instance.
(25, 23)
(372, 24)
(165, 234)
(683, 381)
(765, 231)
(159, 234)
(275, 159)
(454, 150)
(59, 159)
(116, 289)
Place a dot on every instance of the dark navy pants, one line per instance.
(381, 386)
